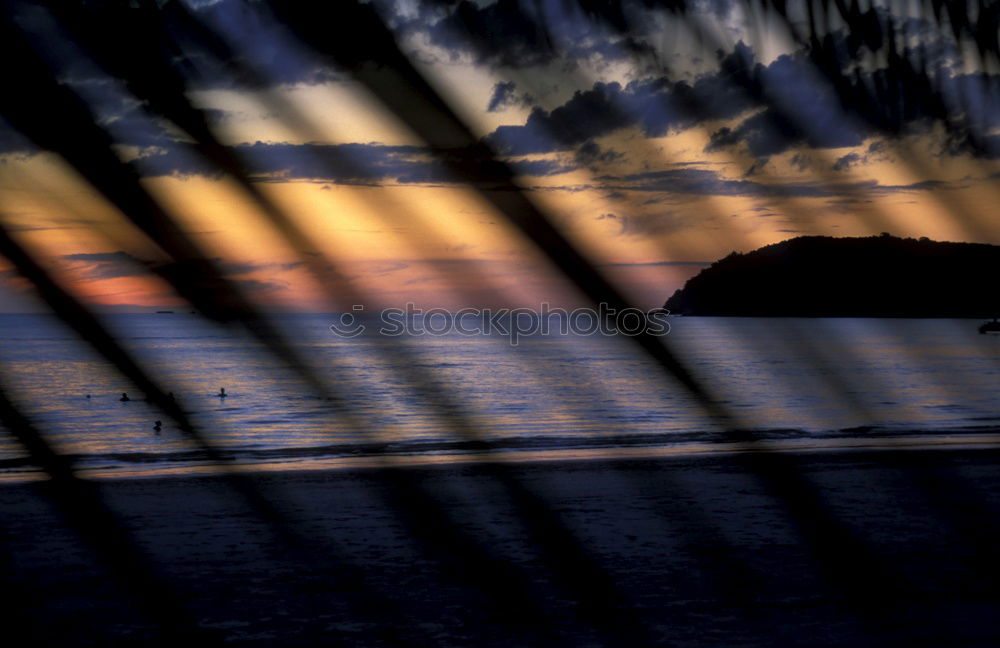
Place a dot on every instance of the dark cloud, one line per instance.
(109, 265)
(762, 212)
(341, 163)
(645, 225)
(587, 115)
(126, 120)
(812, 99)
(756, 168)
(541, 167)
(718, 8)
(801, 162)
(847, 161)
(505, 96)
(264, 52)
(705, 182)
(591, 154)
(507, 33)
(655, 105)
(236, 268)
(621, 220)
(13, 143)
(800, 108)
(256, 51)
(787, 104)
(527, 33)
(112, 265)
(238, 45)
(259, 286)
(113, 108)
(877, 150)
(530, 33)
(653, 224)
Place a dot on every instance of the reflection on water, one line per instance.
(792, 378)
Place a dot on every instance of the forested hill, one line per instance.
(821, 276)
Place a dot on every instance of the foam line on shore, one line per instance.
(881, 443)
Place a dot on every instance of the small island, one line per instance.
(822, 276)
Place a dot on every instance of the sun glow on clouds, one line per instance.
(648, 164)
(333, 113)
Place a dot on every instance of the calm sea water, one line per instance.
(785, 378)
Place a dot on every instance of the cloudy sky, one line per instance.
(656, 141)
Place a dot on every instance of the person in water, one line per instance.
(157, 426)
(124, 398)
(222, 393)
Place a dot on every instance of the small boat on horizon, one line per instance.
(992, 326)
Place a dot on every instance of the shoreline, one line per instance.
(691, 549)
(885, 443)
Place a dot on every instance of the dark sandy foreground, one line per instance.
(688, 551)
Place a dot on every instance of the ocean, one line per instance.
(449, 396)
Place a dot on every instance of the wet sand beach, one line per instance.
(691, 551)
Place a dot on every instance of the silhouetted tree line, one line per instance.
(822, 276)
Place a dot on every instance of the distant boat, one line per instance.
(164, 312)
(990, 327)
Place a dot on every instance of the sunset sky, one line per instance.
(656, 150)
